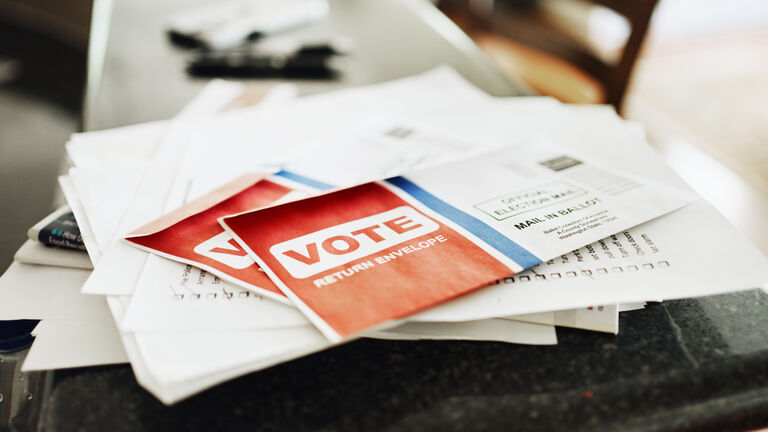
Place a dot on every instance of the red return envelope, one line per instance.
(192, 234)
(351, 257)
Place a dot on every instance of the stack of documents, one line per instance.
(229, 240)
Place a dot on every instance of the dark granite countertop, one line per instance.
(698, 364)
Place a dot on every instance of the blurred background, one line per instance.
(697, 78)
(43, 58)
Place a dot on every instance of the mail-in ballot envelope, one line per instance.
(361, 257)
(192, 234)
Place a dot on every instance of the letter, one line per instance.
(432, 241)
(380, 260)
(521, 226)
(329, 279)
(352, 245)
(319, 282)
(401, 227)
(311, 258)
(407, 249)
(441, 239)
(357, 267)
(370, 232)
(238, 251)
(424, 244)
(351, 272)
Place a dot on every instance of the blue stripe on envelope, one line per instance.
(478, 228)
(304, 180)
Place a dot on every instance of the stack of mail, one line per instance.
(228, 240)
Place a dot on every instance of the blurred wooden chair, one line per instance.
(547, 43)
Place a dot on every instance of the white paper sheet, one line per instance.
(110, 164)
(127, 144)
(499, 330)
(149, 199)
(119, 258)
(138, 143)
(103, 196)
(34, 252)
(83, 221)
(596, 318)
(30, 291)
(61, 344)
(191, 299)
(626, 307)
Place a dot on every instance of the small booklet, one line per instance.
(363, 257)
(58, 229)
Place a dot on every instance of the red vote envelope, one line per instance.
(192, 234)
(356, 258)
